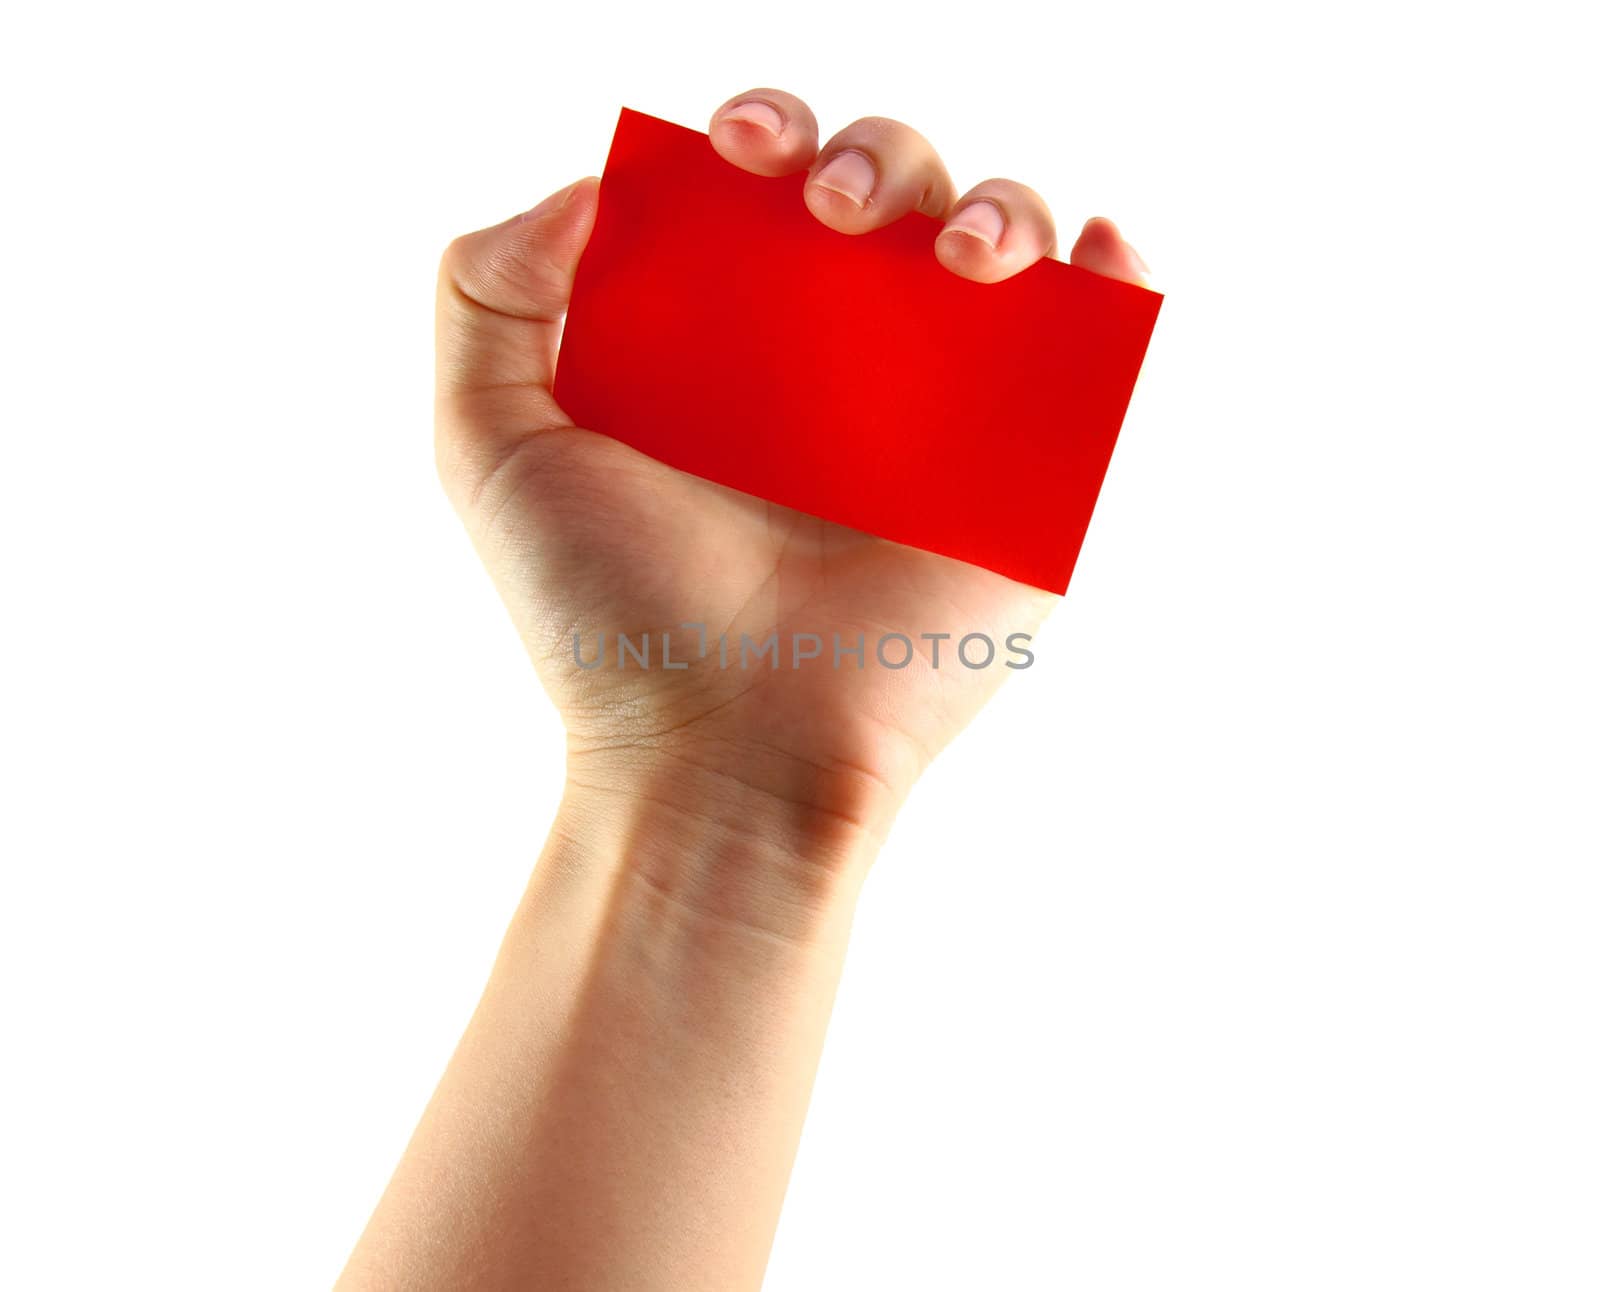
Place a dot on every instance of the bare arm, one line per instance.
(624, 1107)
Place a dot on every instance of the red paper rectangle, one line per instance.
(718, 326)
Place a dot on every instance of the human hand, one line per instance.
(584, 535)
(624, 1107)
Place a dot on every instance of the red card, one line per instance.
(716, 325)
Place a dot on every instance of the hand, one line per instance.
(572, 525)
(623, 1110)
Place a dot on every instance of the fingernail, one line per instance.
(1138, 260)
(982, 220)
(849, 175)
(553, 203)
(757, 114)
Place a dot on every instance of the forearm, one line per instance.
(625, 1105)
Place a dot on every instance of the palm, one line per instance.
(617, 542)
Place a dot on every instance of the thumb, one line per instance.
(503, 292)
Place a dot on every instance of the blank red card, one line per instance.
(716, 325)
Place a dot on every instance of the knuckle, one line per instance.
(454, 255)
(458, 266)
(882, 126)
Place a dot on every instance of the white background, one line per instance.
(1247, 942)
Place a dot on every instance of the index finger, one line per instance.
(765, 131)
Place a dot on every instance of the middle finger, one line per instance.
(874, 171)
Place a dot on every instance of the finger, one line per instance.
(503, 291)
(502, 295)
(765, 131)
(874, 171)
(997, 229)
(1100, 249)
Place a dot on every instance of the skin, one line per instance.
(624, 1107)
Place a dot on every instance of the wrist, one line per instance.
(730, 836)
